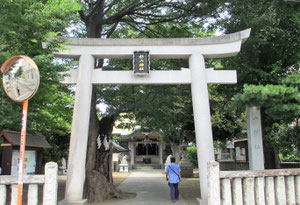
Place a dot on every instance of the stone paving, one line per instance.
(150, 186)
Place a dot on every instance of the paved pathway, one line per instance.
(150, 186)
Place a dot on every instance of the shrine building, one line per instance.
(143, 148)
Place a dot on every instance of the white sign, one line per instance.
(29, 162)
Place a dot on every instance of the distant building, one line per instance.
(236, 150)
(143, 147)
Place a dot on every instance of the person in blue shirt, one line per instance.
(173, 176)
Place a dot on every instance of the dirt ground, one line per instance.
(119, 177)
(189, 188)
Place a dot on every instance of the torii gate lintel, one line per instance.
(163, 77)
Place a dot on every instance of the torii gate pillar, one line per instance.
(194, 49)
(203, 130)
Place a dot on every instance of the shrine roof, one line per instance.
(138, 134)
(31, 140)
(240, 140)
(118, 148)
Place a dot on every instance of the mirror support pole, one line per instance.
(22, 152)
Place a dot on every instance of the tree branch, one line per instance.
(83, 17)
(113, 28)
(108, 7)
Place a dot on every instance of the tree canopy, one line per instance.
(268, 66)
(24, 25)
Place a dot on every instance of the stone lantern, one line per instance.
(185, 165)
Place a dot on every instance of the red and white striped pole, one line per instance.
(22, 152)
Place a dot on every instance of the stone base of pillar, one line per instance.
(202, 202)
(83, 202)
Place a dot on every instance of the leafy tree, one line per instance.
(280, 105)
(270, 55)
(24, 25)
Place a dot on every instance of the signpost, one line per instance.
(20, 81)
(141, 62)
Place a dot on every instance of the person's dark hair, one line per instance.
(173, 159)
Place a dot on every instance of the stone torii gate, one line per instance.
(193, 49)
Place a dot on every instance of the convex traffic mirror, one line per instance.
(21, 78)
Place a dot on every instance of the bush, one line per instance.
(289, 158)
(192, 155)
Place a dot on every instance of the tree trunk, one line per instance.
(175, 151)
(99, 182)
(92, 146)
(271, 159)
(270, 153)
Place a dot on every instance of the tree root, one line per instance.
(100, 188)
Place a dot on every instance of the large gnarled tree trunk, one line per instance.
(99, 181)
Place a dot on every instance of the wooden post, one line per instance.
(51, 183)
(22, 152)
(213, 183)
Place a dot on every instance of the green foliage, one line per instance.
(116, 138)
(228, 121)
(192, 155)
(24, 25)
(273, 46)
(288, 141)
(268, 65)
(219, 144)
(280, 102)
(289, 158)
